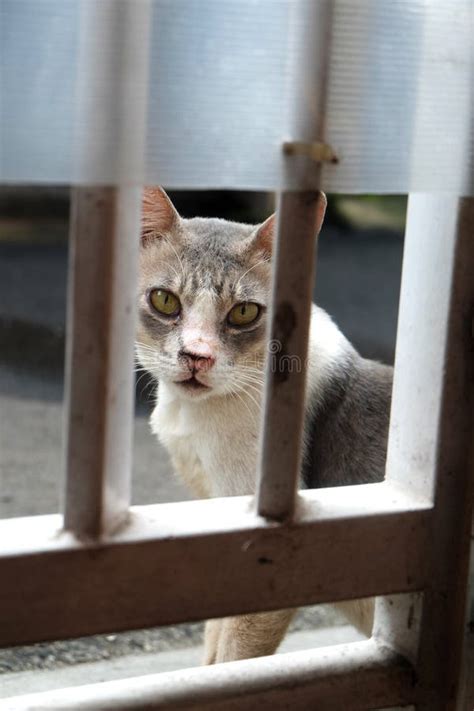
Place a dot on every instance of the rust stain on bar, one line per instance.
(284, 325)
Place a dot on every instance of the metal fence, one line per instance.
(107, 567)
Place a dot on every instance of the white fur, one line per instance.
(327, 347)
(213, 441)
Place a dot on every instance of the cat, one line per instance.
(203, 301)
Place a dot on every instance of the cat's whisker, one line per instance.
(252, 371)
(156, 339)
(146, 366)
(253, 386)
(141, 365)
(177, 255)
(142, 393)
(137, 383)
(151, 387)
(144, 355)
(254, 266)
(155, 358)
(225, 370)
(146, 347)
(253, 415)
(146, 359)
(246, 388)
(231, 365)
(171, 267)
(254, 400)
(148, 392)
(249, 378)
(141, 371)
(150, 384)
(257, 361)
(142, 376)
(242, 385)
(236, 394)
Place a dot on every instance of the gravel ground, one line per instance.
(56, 655)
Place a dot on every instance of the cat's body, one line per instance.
(209, 358)
(346, 419)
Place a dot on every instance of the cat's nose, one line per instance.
(196, 361)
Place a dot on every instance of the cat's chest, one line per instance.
(218, 445)
(178, 425)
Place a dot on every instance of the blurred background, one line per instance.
(357, 282)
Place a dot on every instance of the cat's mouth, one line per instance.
(192, 383)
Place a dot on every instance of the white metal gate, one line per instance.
(108, 567)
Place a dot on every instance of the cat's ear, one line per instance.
(159, 215)
(320, 211)
(262, 240)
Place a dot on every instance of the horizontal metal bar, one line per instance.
(357, 676)
(203, 559)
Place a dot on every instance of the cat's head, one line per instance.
(204, 294)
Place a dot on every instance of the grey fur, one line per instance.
(348, 431)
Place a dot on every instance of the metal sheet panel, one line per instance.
(223, 81)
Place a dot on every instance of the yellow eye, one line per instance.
(243, 314)
(165, 302)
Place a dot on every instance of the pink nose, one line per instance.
(196, 361)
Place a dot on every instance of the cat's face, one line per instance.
(204, 291)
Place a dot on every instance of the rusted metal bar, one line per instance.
(299, 219)
(283, 412)
(430, 447)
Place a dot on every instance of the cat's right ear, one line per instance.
(159, 215)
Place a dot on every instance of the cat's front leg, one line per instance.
(211, 640)
(248, 636)
(359, 613)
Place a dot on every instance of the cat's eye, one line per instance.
(243, 314)
(165, 302)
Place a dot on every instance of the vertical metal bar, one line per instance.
(432, 433)
(299, 213)
(286, 367)
(110, 134)
(104, 232)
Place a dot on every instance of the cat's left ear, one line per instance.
(262, 240)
